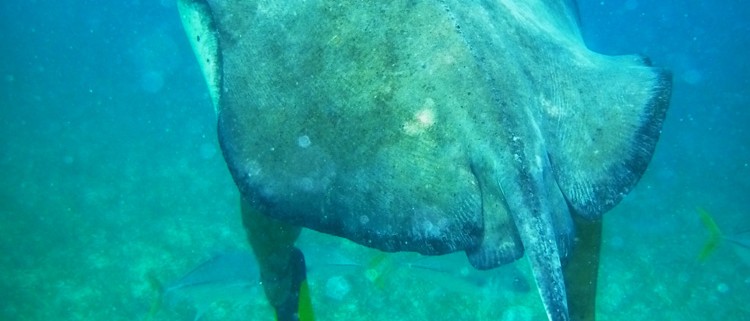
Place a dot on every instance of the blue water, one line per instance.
(110, 172)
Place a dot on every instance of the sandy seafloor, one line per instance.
(110, 173)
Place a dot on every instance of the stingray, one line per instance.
(432, 126)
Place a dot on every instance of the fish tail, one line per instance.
(714, 236)
(305, 309)
(158, 287)
(377, 268)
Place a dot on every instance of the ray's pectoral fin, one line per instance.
(282, 265)
(200, 27)
(601, 140)
(599, 144)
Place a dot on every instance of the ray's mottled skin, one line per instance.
(430, 126)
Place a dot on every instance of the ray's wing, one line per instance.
(601, 134)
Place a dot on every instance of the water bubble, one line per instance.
(337, 288)
(304, 141)
(252, 168)
(722, 288)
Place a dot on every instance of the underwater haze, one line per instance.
(112, 182)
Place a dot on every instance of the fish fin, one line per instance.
(294, 296)
(158, 288)
(198, 315)
(601, 137)
(500, 243)
(378, 268)
(737, 242)
(714, 236)
(582, 268)
(305, 309)
(200, 26)
(282, 265)
(377, 259)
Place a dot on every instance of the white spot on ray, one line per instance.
(423, 119)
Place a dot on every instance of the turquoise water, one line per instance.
(111, 176)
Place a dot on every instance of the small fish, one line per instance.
(327, 258)
(230, 276)
(454, 274)
(233, 277)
